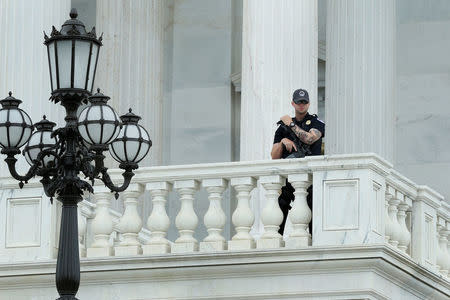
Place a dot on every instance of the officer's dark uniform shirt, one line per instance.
(308, 122)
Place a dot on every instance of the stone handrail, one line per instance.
(358, 200)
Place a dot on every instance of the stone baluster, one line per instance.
(395, 233)
(243, 217)
(448, 247)
(405, 236)
(443, 241)
(271, 216)
(186, 220)
(441, 249)
(102, 224)
(300, 214)
(215, 217)
(158, 222)
(130, 224)
(388, 221)
(81, 233)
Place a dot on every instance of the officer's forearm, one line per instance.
(306, 137)
(277, 150)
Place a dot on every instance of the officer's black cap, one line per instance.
(300, 95)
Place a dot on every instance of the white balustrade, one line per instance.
(271, 216)
(215, 217)
(243, 217)
(102, 224)
(300, 214)
(186, 220)
(130, 224)
(158, 222)
(358, 200)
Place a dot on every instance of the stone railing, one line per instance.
(357, 200)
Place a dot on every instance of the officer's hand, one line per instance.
(288, 144)
(286, 120)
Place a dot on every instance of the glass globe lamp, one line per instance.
(15, 124)
(133, 142)
(98, 124)
(41, 140)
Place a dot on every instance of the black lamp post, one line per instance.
(58, 156)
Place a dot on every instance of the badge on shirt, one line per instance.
(308, 122)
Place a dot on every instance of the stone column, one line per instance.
(279, 55)
(130, 68)
(360, 75)
(23, 58)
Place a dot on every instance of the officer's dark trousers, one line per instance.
(285, 199)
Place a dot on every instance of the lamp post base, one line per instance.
(67, 298)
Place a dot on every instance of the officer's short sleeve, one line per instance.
(278, 135)
(319, 125)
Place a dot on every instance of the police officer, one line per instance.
(309, 131)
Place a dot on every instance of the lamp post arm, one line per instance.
(127, 175)
(11, 162)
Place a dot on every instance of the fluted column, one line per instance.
(130, 68)
(23, 58)
(279, 55)
(130, 224)
(360, 77)
(102, 224)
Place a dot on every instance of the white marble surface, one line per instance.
(198, 122)
(348, 217)
(323, 273)
(130, 66)
(24, 61)
(279, 55)
(348, 209)
(21, 240)
(422, 108)
(360, 77)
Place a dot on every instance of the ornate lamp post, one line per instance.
(58, 156)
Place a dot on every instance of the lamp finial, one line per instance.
(73, 13)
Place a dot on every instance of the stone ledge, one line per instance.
(308, 262)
